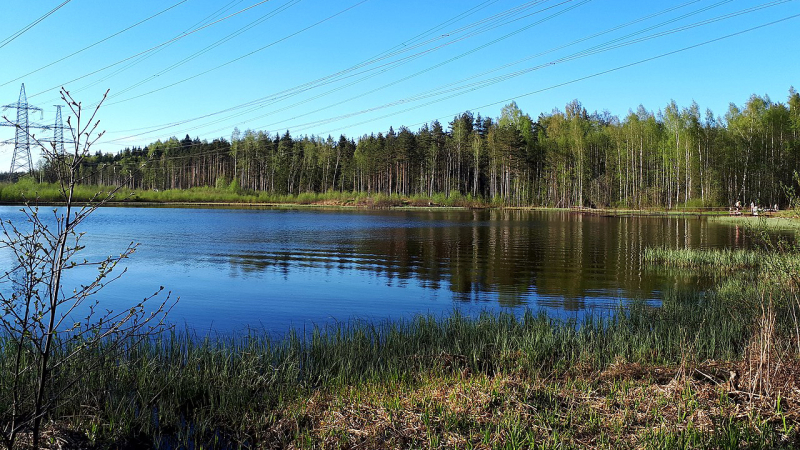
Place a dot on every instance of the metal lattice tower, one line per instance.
(22, 160)
(58, 132)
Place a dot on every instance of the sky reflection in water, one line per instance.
(280, 268)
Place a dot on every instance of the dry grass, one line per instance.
(623, 406)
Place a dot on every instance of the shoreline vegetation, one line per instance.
(703, 368)
(48, 194)
(712, 369)
(669, 157)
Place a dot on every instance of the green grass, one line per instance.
(761, 222)
(29, 190)
(721, 259)
(642, 377)
(244, 389)
(753, 271)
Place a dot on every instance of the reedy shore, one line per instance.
(715, 369)
(47, 193)
(718, 368)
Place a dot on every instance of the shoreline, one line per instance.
(615, 212)
(712, 369)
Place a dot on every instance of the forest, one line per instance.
(677, 156)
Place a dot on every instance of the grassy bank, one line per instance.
(644, 377)
(705, 369)
(26, 189)
(781, 221)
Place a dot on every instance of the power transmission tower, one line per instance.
(22, 160)
(58, 133)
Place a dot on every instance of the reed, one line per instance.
(28, 190)
(723, 259)
(184, 387)
(785, 221)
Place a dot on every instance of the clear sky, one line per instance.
(358, 66)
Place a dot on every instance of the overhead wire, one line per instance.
(777, 2)
(248, 54)
(302, 88)
(138, 60)
(423, 34)
(485, 83)
(272, 44)
(24, 29)
(415, 98)
(587, 52)
(472, 87)
(95, 43)
(515, 97)
(418, 36)
(440, 64)
(466, 13)
(210, 47)
(596, 74)
(151, 48)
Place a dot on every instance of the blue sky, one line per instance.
(444, 57)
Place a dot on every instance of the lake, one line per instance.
(277, 269)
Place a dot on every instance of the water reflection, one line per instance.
(281, 268)
(559, 258)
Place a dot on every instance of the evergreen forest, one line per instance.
(677, 156)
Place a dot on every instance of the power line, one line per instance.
(448, 88)
(153, 48)
(576, 80)
(593, 50)
(485, 83)
(596, 74)
(402, 44)
(94, 44)
(19, 33)
(339, 75)
(440, 64)
(227, 7)
(243, 56)
(210, 47)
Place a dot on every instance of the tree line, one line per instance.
(676, 156)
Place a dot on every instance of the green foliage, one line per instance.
(235, 186)
(222, 183)
(678, 158)
(211, 383)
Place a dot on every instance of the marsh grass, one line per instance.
(705, 369)
(720, 259)
(26, 189)
(785, 221)
(770, 264)
(253, 390)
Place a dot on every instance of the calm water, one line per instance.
(278, 268)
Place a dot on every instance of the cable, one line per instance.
(596, 74)
(210, 47)
(592, 50)
(410, 76)
(19, 33)
(96, 43)
(440, 91)
(230, 5)
(305, 87)
(485, 83)
(151, 48)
